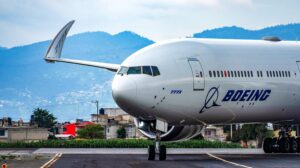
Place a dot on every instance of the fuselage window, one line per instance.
(231, 72)
(241, 73)
(257, 74)
(261, 74)
(235, 74)
(218, 73)
(289, 73)
(214, 72)
(147, 70)
(251, 73)
(155, 71)
(245, 73)
(221, 72)
(134, 70)
(286, 75)
(201, 75)
(279, 73)
(238, 72)
(267, 73)
(248, 73)
(270, 73)
(276, 73)
(282, 72)
(210, 74)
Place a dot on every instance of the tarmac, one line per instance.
(135, 158)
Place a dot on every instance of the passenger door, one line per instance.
(298, 64)
(198, 73)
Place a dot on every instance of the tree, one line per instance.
(43, 118)
(253, 132)
(247, 132)
(91, 132)
(121, 132)
(261, 133)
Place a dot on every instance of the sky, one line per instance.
(27, 21)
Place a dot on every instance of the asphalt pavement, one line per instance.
(137, 158)
(179, 161)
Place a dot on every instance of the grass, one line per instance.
(117, 143)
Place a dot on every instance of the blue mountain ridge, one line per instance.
(27, 82)
(284, 32)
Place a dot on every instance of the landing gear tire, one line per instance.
(151, 152)
(293, 145)
(284, 145)
(275, 148)
(162, 152)
(268, 145)
(298, 144)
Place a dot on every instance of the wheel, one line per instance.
(151, 152)
(268, 145)
(284, 146)
(275, 147)
(298, 144)
(162, 152)
(293, 145)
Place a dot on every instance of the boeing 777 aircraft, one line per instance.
(175, 88)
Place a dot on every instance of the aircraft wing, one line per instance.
(54, 52)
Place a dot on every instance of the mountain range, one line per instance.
(27, 82)
(284, 32)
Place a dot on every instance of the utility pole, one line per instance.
(97, 105)
(230, 131)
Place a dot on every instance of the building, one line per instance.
(111, 112)
(14, 131)
(27, 134)
(214, 133)
(113, 119)
(69, 130)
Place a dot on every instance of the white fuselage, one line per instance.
(187, 93)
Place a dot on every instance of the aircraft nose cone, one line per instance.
(124, 92)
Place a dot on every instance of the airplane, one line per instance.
(175, 88)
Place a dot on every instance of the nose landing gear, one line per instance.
(161, 150)
(285, 143)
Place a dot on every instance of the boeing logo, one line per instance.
(211, 99)
(247, 95)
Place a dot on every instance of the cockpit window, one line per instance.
(134, 70)
(155, 71)
(123, 70)
(147, 70)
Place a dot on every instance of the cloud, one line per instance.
(11, 103)
(245, 3)
(36, 20)
(180, 3)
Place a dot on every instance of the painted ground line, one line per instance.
(226, 161)
(52, 161)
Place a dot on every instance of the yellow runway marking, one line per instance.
(226, 161)
(52, 161)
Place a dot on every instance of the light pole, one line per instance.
(97, 104)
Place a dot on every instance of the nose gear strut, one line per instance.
(157, 148)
